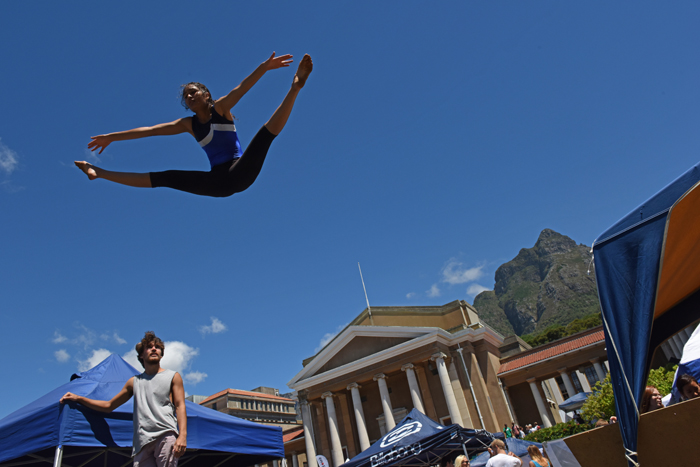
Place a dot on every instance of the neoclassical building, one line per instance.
(441, 360)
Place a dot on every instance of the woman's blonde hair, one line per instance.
(459, 459)
(536, 455)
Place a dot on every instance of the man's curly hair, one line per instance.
(146, 341)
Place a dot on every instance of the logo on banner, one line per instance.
(395, 436)
(322, 461)
(386, 457)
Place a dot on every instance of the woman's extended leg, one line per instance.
(281, 115)
(139, 180)
(246, 169)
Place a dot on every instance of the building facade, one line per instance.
(537, 380)
(261, 405)
(441, 360)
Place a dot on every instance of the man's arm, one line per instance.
(182, 125)
(178, 393)
(225, 104)
(103, 406)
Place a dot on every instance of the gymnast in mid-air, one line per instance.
(232, 170)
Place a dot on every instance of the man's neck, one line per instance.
(152, 369)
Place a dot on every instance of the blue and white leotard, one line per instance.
(218, 138)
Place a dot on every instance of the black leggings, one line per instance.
(223, 179)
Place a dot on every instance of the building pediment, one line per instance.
(359, 343)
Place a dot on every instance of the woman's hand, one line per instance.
(99, 142)
(273, 62)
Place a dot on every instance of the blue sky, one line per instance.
(432, 142)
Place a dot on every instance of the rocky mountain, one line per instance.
(544, 285)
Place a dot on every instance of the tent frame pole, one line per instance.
(58, 458)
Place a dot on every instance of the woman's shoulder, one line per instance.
(218, 114)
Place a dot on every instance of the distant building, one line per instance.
(441, 360)
(261, 405)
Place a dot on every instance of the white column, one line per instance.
(354, 389)
(308, 434)
(567, 382)
(453, 409)
(598, 369)
(583, 380)
(386, 402)
(679, 342)
(668, 353)
(541, 407)
(677, 351)
(336, 447)
(413, 386)
(295, 459)
(556, 392)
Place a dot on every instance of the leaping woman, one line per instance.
(232, 170)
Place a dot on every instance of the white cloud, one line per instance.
(434, 291)
(195, 377)
(118, 339)
(476, 289)
(215, 328)
(61, 356)
(58, 338)
(96, 357)
(178, 357)
(132, 360)
(8, 159)
(91, 156)
(455, 273)
(410, 295)
(329, 337)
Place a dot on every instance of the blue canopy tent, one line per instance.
(648, 275)
(418, 441)
(574, 402)
(47, 431)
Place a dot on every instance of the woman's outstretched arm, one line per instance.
(183, 125)
(226, 103)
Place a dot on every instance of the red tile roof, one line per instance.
(547, 351)
(245, 393)
(291, 435)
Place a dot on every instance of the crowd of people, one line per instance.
(516, 431)
(501, 457)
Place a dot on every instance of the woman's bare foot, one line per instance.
(303, 72)
(89, 169)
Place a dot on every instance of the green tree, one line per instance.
(601, 403)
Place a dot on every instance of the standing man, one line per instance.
(160, 420)
(499, 458)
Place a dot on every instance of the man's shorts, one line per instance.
(158, 453)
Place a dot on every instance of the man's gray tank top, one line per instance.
(154, 413)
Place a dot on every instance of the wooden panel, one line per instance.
(666, 437)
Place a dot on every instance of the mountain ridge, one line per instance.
(545, 285)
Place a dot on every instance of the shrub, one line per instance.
(560, 430)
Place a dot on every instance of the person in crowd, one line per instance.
(651, 400)
(613, 419)
(688, 387)
(500, 457)
(538, 460)
(462, 461)
(516, 431)
(601, 422)
(507, 431)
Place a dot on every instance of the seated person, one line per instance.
(651, 400)
(688, 387)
